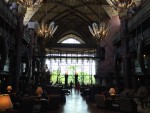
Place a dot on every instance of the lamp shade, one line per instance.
(5, 102)
(76, 73)
(9, 88)
(39, 91)
(112, 91)
(66, 73)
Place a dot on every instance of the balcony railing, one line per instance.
(26, 36)
(141, 16)
(7, 15)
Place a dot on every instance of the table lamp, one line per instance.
(112, 92)
(5, 102)
(39, 91)
(9, 88)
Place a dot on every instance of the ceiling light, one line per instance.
(99, 31)
(47, 31)
(29, 3)
(122, 4)
(44, 30)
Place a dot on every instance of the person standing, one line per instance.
(71, 86)
(78, 86)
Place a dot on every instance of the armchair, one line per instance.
(100, 100)
(127, 105)
(26, 104)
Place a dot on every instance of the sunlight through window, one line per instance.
(71, 40)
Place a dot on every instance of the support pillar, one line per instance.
(125, 53)
(76, 79)
(66, 79)
(32, 35)
(19, 35)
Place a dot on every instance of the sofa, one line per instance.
(127, 105)
(93, 90)
(100, 100)
(26, 104)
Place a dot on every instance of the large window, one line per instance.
(71, 40)
(85, 67)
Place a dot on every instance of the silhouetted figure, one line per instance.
(71, 86)
(78, 86)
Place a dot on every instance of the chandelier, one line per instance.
(99, 32)
(47, 31)
(120, 5)
(26, 3)
(29, 3)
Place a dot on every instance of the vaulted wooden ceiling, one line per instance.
(71, 16)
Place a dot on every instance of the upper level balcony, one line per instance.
(26, 36)
(142, 15)
(7, 15)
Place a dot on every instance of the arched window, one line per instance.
(72, 63)
(71, 39)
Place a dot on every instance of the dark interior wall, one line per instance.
(107, 66)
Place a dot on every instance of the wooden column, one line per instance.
(19, 35)
(66, 79)
(32, 34)
(125, 54)
(117, 66)
(76, 79)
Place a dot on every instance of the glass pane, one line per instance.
(71, 40)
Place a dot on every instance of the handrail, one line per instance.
(141, 16)
(7, 15)
(26, 36)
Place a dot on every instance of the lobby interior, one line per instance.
(61, 56)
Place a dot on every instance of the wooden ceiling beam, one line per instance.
(59, 45)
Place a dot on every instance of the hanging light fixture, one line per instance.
(124, 7)
(122, 4)
(99, 31)
(26, 3)
(46, 31)
(29, 3)
(19, 7)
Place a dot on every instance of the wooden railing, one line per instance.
(7, 15)
(134, 41)
(26, 36)
(141, 16)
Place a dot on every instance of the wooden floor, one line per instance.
(75, 103)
